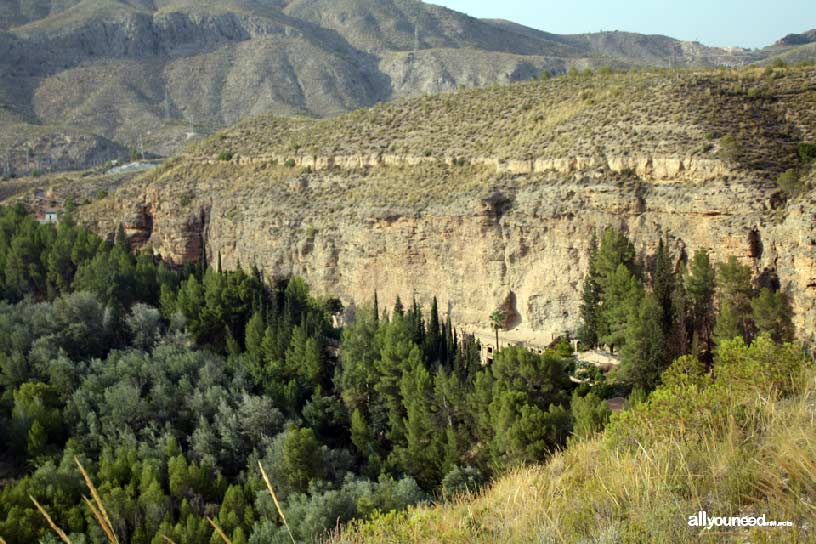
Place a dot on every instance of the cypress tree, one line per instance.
(700, 286)
(120, 240)
(590, 300)
(433, 338)
(376, 308)
(663, 286)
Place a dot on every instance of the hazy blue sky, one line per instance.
(747, 23)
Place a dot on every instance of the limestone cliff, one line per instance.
(477, 230)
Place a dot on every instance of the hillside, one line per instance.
(492, 195)
(738, 445)
(150, 76)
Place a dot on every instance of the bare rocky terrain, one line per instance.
(85, 81)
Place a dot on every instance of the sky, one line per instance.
(744, 23)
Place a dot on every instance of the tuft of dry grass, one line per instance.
(275, 500)
(60, 533)
(98, 510)
(219, 531)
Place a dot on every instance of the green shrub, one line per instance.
(790, 183)
(225, 156)
(462, 480)
(755, 92)
(807, 152)
(290, 163)
(730, 148)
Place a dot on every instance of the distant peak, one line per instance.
(798, 39)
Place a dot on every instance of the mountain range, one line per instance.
(86, 81)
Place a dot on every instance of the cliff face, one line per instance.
(501, 205)
(522, 237)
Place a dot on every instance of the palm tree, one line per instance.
(497, 322)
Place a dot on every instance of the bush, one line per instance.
(290, 163)
(730, 148)
(790, 183)
(807, 152)
(462, 480)
(226, 156)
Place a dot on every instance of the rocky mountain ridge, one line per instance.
(154, 75)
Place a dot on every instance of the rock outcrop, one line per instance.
(524, 235)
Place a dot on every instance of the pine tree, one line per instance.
(423, 453)
(773, 315)
(398, 354)
(644, 356)
(700, 286)
(253, 340)
(615, 249)
(734, 292)
(622, 294)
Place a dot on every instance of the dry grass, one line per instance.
(98, 509)
(219, 531)
(598, 491)
(275, 500)
(59, 532)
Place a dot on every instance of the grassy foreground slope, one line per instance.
(742, 443)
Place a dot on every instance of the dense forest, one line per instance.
(171, 385)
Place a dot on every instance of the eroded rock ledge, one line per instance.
(645, 167)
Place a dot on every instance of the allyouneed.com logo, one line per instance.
(702, 519)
